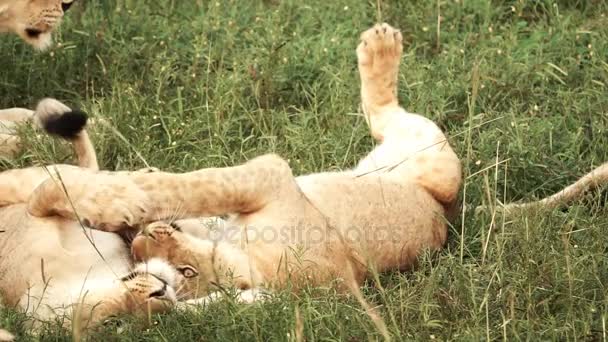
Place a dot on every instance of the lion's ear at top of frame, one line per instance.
(65, 4)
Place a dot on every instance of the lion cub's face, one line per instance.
(33, 20)
(191, 257)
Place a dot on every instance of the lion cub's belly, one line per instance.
(387, 220)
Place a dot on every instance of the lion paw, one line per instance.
(156, 240)
(105, 202)
(159, 231)
(380, 51)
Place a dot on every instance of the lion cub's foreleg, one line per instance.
(114, 201)
(262, 182)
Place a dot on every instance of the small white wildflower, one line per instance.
(346, 8)
(425, 29)
(478, 162)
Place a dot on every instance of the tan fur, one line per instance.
(55, 266)
(44, 16)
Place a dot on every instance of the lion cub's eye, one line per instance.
(187, 271)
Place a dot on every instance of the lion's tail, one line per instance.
(591, 180)
(70, 124)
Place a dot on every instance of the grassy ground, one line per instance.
(519, 85)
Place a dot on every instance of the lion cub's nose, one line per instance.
(33, 32)
(159, 293)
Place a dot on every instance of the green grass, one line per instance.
(520, 86)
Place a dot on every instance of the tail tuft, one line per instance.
(58, 119)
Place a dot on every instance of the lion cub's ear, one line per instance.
(66, 4)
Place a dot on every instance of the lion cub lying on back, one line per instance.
(309, 230)
(320, 228)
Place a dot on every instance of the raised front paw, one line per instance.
(102, 201)
(380, 50)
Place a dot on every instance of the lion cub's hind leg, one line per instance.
(411, 146)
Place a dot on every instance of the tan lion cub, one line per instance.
(320, 228)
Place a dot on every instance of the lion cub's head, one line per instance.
(33, 20)
(149, 288)
(204, 265)
(162, 240)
